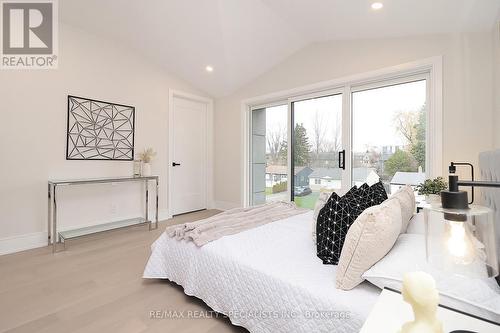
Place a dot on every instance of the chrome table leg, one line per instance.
(54, 219)
(147, 199)
(49, 213)
(157, 189)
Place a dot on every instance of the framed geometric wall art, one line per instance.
(98, 130)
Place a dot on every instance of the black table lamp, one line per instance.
(456, 239)
(456, 199)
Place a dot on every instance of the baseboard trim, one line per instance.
(226, 205)
(39, 239)
(164, 214)
(34, 240)
(22, 242)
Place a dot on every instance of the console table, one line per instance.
(55, 236)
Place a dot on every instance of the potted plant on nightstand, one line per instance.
(432, 188)
(146, 157)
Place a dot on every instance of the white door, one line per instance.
(189, 156)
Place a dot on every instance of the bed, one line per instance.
(269, 279)
(266, 279)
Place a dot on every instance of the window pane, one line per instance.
(269, 156)
(389, 133)
(317, 135)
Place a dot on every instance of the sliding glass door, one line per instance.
(389, 134)
(332, 140)
(317, 145)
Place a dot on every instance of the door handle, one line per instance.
(175, 164)
(342, 159)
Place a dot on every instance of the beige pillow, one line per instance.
(368, 240)
(406, 198)
(320, 203)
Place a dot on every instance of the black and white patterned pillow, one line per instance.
(333, 223)
(338, 214)
(375, 195)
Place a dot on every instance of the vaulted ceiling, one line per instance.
(242, 39)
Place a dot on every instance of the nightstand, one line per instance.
(391, 312)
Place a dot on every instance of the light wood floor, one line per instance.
(96, 286)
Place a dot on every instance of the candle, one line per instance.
(419, 290)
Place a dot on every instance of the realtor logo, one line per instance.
(29, 34)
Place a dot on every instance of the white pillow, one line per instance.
(416, 225)
(320, 203)
(480, 297)
(406, 198)
(368, 240)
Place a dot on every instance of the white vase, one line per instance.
(146, 169)
(433, 198)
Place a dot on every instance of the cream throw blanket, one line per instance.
(232, 222)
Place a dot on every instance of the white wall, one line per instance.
(468, 100)
(33, 113)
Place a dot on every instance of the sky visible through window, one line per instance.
(376, 106)
(322, 119)
(276, 121)
(374, 113)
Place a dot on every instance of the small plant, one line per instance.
(432, 186)
(147, 155)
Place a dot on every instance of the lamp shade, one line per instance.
(461, 241)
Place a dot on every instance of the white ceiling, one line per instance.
(242, 39)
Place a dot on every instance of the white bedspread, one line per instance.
(267, 279)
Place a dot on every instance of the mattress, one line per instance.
(266, 279)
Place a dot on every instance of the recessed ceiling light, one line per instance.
(209, 68)
(377, 5)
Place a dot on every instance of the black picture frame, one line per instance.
(83, 137)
